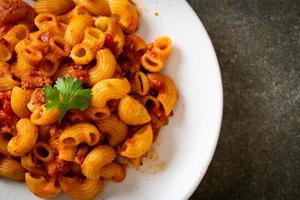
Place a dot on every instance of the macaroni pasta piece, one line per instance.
(96, 160)
(109, 89)
(93, 38)
(132, 112)
(82, 54)
(11, 169)
(19, 100)
(16, 34)
(111, 28)
(139, 144)
(115, 130)
(104, 68)
(81, 189)
(126, 12)
(25, 139)
(75, 30)
(41, 116)
(41, 186)
(6, 80)
(43, 152)
(167, 96)
(5, 53)
(140, 84)
(95, 7)
(98, 114)
(30, 163)
(53, 6)
(113, 171)
(79, 133)
(156, 56)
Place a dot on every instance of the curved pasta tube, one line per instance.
(108, 89)
(93, 38)
(140, 84)
(43, 152)
(97, 114)
(11, 169)
(155, 58)
(137, 42)
(64, 153)
(46, 21)
(4, 139)
(132, 112)
(19, 101)
(41, 116)
(22, 65)
(7, 83)
(82, 54)
(113, 171)
(79, 133)
(104, 68)
(114, 128)
(111, 27)
(168, 95)
(80, 189)
(49, 64)
(139, 144)
(150, 102)
(74, 33)
(78, 10)
(59, 46)
(31, 55)
(126, 12)
(16, 34)
(55, 7)
(96, 160)
(95, 7)
(28, 163)
(39, 40)
(25, 139)
(5, 53)
(41, 186)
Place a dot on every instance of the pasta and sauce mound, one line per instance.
(81, 95)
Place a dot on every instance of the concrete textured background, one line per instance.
(258, 46)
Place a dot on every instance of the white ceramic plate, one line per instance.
(187, 144)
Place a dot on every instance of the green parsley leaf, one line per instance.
(67, 94)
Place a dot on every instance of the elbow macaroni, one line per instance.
(11, 169)
(79, 133)
(168, 95)
(127, 12)
(115, 130)
(109, 89)
(96, 160)
(25, 139)
(78, 188)
(104, 68)
(95, 7)
(19, 100)
(41, 186)
(133, 112)
(139, 144)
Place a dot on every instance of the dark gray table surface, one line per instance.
(258, 46)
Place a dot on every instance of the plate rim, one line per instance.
(201, 173)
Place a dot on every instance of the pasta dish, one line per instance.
(81, 95)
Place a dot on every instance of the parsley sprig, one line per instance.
(67, 94)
